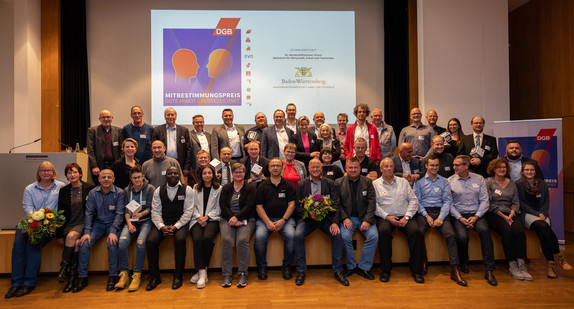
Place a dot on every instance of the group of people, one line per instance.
(168, 181)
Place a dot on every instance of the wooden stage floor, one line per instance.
(321, 291)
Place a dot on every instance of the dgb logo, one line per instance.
(303, 72)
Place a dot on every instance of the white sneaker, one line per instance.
(194, 278)
(524, 270)
(514, 271)
(202, 282)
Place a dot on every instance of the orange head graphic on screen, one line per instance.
(219, 63)
(185, 64)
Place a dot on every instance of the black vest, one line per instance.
(171, 211)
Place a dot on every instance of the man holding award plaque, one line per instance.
(480, 147)
(324, 216)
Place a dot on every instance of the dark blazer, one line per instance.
(301, 155)
(488, 143)
(327, 188)
(264, 162)
(65, 203)
(183, 143)
(335, 147)
(246, 202)
(269, 144)
(415, 165)
(219, 139)
(366, 203)
(196, 146)
(97, 145)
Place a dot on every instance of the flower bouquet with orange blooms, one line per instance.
(317, 207)
(40, 223)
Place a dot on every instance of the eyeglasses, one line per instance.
(46, 171)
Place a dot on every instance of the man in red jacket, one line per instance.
(362, 128)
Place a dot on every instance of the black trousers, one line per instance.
(513, 237)
(414, 238)
(481, 227)
(203, 243)
(154, 239)
(547, 238)
(446, 230)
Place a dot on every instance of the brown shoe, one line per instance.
(561, 260)
(456, 277)
(489, 276)
(551, 269)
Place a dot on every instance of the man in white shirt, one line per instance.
(200, 140)
(228, 135)
(275, 137)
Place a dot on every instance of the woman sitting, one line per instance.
(534, 204)
(123, 165)
(139, 193)
(72, 201)
(293, 170)
(237, 223)
(501, 216)
(26, 256)
(204, 224)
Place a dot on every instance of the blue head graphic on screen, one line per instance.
(185, 64)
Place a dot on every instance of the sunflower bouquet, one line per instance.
(40, 223)
(317, 207)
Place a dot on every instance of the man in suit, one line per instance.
(253, 159)
(479, 146)
(104, 144)
(199, 139)
(224, 173)
(175, 138)
(291, 121)
(316, 184)
(275, 137)
(516, 160)
(407, 166)
(357, 212)
(254, 134)
(228, 135)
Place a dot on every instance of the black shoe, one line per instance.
(340, 276)
(69, 285)
(464, 268)
(262, 273)
(12, 291)
(385, 276)
(287, 274)
(419, 278)
(489, 276)
(153, 283)
(25, 290)
(300, 279)
(364, 273)
(176, 284)
(80, 284)
(63, 273)
(349, 272)
(112, 280)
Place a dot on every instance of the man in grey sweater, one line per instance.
(154, 168)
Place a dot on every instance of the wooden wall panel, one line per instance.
(50, 84)
(413, 56)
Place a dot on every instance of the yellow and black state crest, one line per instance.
(303, 72)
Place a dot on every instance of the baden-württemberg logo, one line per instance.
(303, 72)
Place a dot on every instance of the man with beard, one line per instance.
(255, 133)
(516, 160)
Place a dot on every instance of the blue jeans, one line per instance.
(262, 234)
(306, 227)
(26, 259)
(142, 230)
(99, 230)
(369, 249)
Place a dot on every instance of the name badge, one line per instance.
(116, 143)
(475, 185)
(330, 173)
(539, 195)
(364, 170)
(498, 192)
(281, 195)
(421, 138)
(364, 193)
(57, 191)
(372, 136)
(437, 190)
(112, 207)
(163, 173)
(182, 140)
(486, 147)
(384, 192)
(181, 197)
(143, 135)
(144, 202)
(416, 171)
(447, 168)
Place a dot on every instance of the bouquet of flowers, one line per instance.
(41, 223)
(317, 207)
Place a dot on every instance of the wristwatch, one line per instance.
(407, 217)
